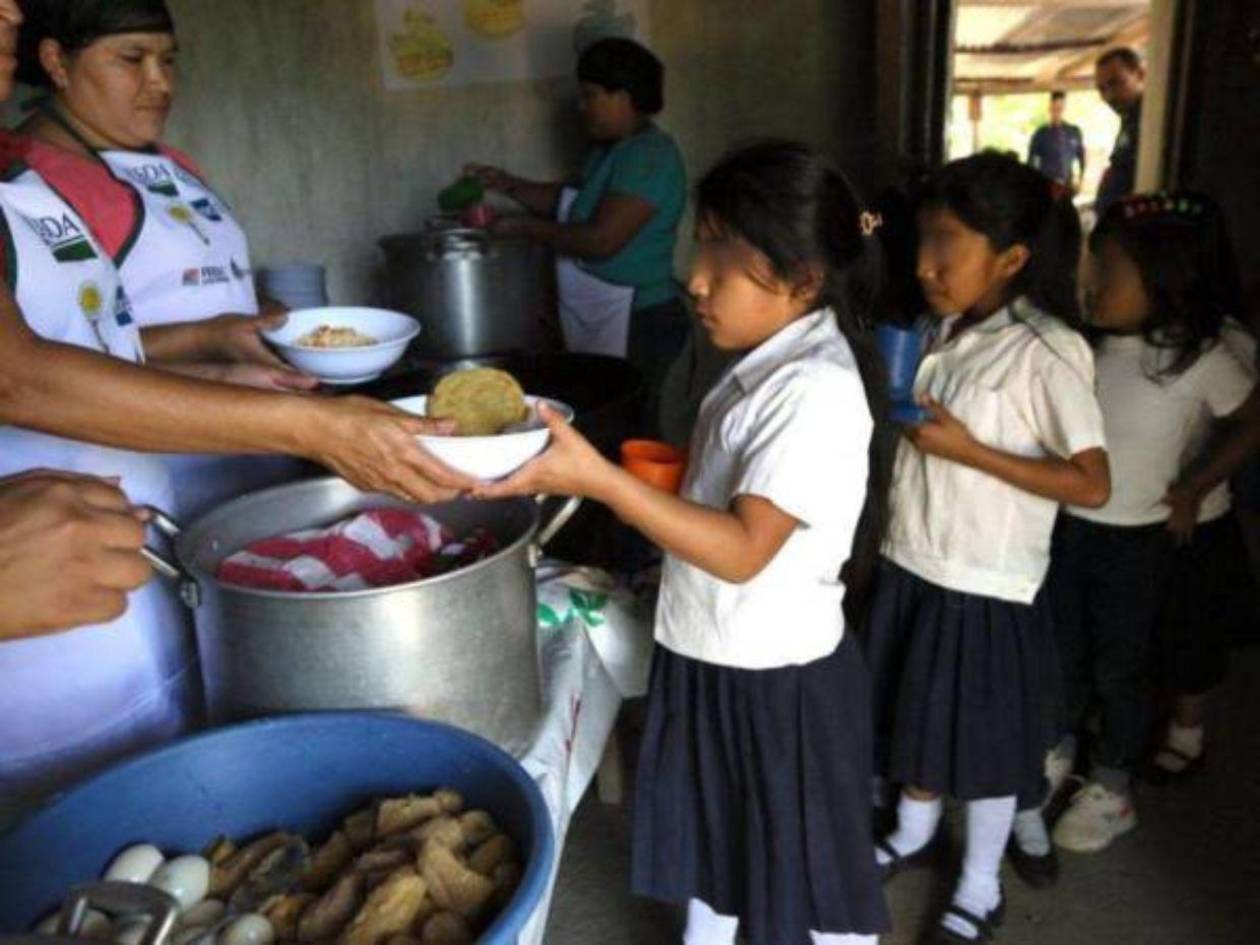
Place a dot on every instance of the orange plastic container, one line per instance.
(658, 464)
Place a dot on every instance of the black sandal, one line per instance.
(1160, 776)
(928, 855)
(984, 926)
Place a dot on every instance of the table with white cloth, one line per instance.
(595, 646)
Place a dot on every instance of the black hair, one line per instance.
(1181, 247)
(622, 65)
(76, 24)
(798, 211)
(1010, 203)
(1125, 55)
(1058, 95)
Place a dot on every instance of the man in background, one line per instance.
(1121, 79)
(1057, 149)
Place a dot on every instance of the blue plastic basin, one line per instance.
(302, 773)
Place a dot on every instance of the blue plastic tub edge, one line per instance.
(241, 781)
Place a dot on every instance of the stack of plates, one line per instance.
(296, 286)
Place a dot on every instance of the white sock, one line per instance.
(842, 938)
(1030, 832)
(1188, 741)
(706, 927)
(916, 824)
(988, 828)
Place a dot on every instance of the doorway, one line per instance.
(1008, 57)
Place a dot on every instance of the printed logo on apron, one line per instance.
(205, 206)
(154, 178)
(61, 234)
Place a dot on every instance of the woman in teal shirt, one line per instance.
(614, 227)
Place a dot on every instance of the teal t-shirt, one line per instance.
(647, 165)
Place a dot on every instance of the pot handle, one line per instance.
(189, 590)
(558, 521)
(123, 899)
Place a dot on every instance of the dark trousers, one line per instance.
(1105, 586)
(657, 336)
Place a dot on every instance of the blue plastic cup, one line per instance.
(902, 350)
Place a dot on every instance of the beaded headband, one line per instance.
(1144, 206)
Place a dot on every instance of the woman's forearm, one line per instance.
(540, 197)
(189, 341)
(71, 392)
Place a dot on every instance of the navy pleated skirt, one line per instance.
(754, 795)
(966, 688)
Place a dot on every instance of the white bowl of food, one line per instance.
(491, 456)
(343, 344)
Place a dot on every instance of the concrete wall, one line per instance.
(282, 103)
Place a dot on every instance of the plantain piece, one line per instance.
(506, 877)
(478, 827)
(332, 912)
(390, 909)
(327, 863)
(496, 851)
(219, 850)
(233, 870)
(284, 912)
(384, 858)
(401, 814)
(360, 829)
(447, 831)
(453, 885)
(428, 909)
(446, 928)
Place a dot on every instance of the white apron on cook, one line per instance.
(72, 700)
(594, 315)
(190, 262)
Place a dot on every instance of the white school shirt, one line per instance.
(789, 423)
(1022, 382)
(1157, 426)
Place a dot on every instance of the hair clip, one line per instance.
(869, 222)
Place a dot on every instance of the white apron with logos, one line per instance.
(190, 259)
(73, 700)
(189, 262)
(594, 315)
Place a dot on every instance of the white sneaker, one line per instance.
(1095, 817)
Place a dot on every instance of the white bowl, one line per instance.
(490, 457)
(393, 330)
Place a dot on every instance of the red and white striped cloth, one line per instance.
(376, 548)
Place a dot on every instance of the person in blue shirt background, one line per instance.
(1058, 147)
(614, 225)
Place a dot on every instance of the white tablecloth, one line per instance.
(595, 644)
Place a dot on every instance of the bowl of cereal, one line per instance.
(343, 344)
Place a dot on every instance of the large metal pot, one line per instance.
(459, 647)
(474, 294)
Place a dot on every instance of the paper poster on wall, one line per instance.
(428, 43)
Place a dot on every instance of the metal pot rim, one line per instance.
(184, 553)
